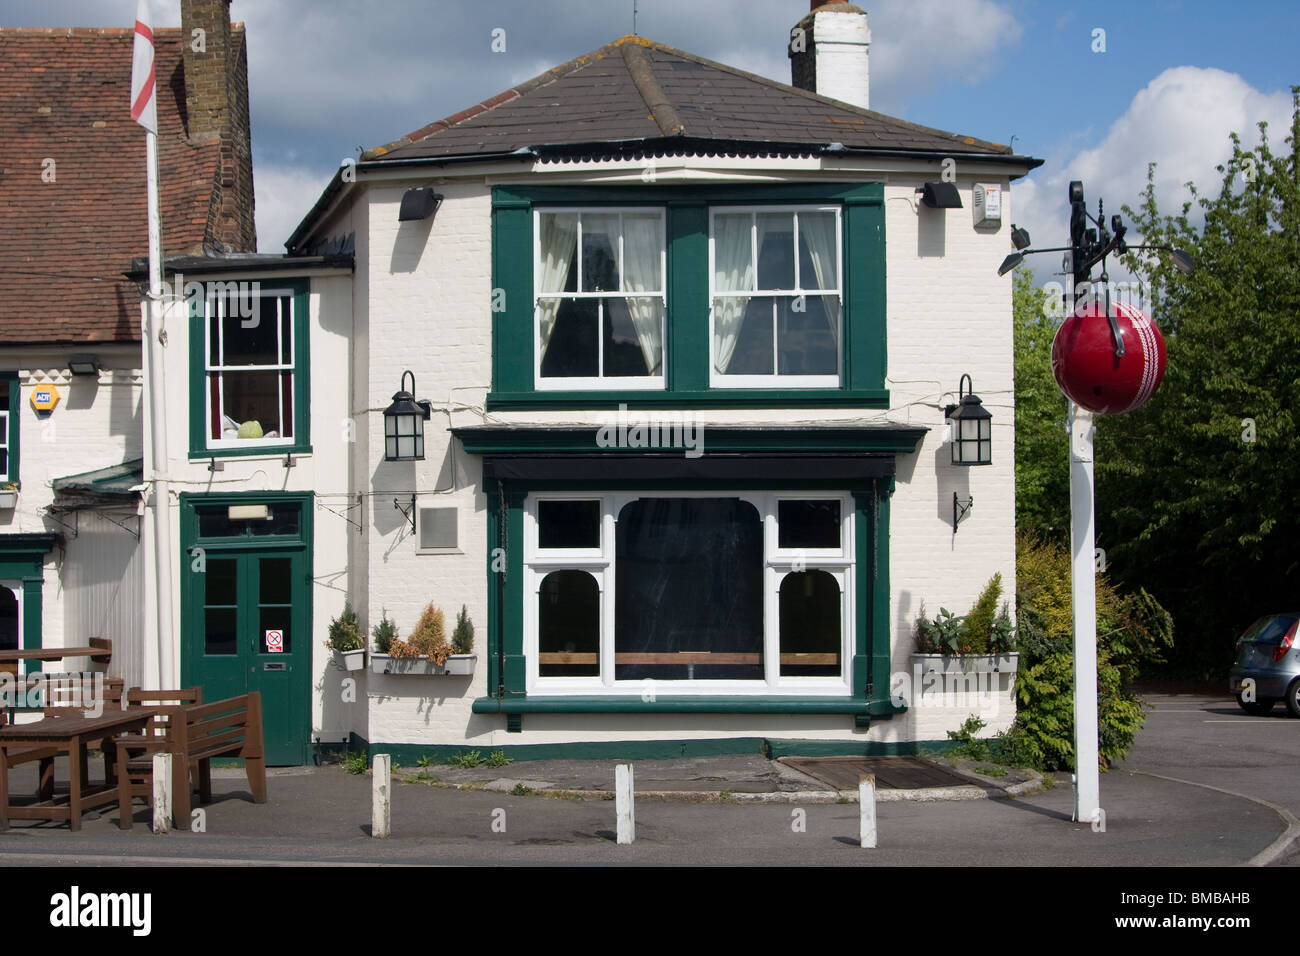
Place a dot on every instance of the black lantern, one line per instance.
(972, 427)
(404, 424)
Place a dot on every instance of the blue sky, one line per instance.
(329, 75)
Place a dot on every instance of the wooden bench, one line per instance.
(223, 728)
(69, 694)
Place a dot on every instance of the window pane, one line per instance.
(251, 340)
(274, 581)
(221, 595)
(810, 625)
(214, 522)
(271, 620)
(632, 328)
(818, 258)
(688, 592)
(8, 632)
(568, 623)
(220, 635)
(600, 252)
(251, 405)
(568, 524)
(733, 266)
(643, 245)
(571, 350)
(806, 336)
(753, 350)
(558, 239)
(808, 524)
(776, 250)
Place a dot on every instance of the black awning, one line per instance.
(615, 467)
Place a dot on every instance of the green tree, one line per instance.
(1196, 493)
(1042, 444)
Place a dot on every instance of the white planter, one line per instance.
(351, 660)
(967, 663)
(457, 665)
(8, 500)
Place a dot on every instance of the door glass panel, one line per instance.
(215, 522)
(274, 604)
(220, 610)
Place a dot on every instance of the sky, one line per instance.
(1164, 81)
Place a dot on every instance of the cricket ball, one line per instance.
(1090, 373)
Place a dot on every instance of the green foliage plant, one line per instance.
(384, 633)
(345, 631)
(462, 639)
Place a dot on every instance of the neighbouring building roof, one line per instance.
(72, 181)
(113, 480)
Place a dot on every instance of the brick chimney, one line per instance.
(828, 52)
(216, 106)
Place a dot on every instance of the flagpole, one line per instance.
(155, 385)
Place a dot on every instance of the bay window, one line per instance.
(743, 593)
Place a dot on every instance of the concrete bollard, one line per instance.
(867, 809)
(623, 803)
(162, 793)
(381, 812)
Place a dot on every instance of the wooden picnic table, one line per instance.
(70, 734)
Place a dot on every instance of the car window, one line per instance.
(1269, 630)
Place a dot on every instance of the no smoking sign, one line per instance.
(275, 642)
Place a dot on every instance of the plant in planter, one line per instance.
(979, 642)
(426, 650)
(345, 640)
(462, 642)
(384, 633)
(8, 494)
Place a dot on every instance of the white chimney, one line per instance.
(828, 52)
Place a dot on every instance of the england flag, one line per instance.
(144, 104)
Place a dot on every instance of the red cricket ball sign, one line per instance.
(1087, 369)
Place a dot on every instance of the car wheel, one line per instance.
(1263, 705)
(1293, 698)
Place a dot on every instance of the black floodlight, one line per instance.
(1183, 261)
(1019, 237)
(940, 195)
(418, 203)
(83, 365)
(1010, 262)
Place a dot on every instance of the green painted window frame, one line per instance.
(22, 558)
(301, 378)
(507, 665)
(686, 375)
(10, 382)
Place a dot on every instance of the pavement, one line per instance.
(1169, 804)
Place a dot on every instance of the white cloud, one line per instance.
(283, 194)
(1180, 121)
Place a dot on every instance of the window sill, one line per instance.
(777, 396)
(861, 710)
(259, 451)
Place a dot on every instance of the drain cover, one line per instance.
(892, 773)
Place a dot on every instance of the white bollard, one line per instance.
(381, 813)
(623, 803)
(867, 810)
(162, 793)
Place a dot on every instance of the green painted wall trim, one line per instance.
(632, 704)
(22, 558)
(686, 378)
(301, 379)
(495, 440)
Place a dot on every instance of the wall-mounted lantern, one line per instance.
(972, 427)
(404, 424)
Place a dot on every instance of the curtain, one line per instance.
(817, 229)
(733, 271)
(642, 273)
(559, 241)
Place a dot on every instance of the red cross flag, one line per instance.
(144, 104)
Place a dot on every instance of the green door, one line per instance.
(248, 611)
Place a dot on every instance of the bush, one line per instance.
(979, 622)
(345, 631)
(427, 640)
(1132, 630)
(384, 633)
(462, 639)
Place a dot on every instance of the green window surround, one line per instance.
(687, 332)
(300, 444)
(14, 393)
(22, 559)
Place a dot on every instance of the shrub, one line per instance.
(345, 631)
(429, 639)
(944, 634)
(462, 639)
(979, 622)
(384, 633)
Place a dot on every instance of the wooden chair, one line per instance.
(224, 728)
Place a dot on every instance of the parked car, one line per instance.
(1267, 665)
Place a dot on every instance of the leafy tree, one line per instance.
(1196, 494)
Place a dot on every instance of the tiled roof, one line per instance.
(64, 244)
(634, 89)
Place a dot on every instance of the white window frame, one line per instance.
(777, 563)
(776, 380)
(213, 312)
(584, 383)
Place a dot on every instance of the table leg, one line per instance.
(76, 764)
(4, 789)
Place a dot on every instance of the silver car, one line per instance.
(1267, 666)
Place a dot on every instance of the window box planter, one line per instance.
(457, 665)
(8, 499)
(350, 660)
(967, 663)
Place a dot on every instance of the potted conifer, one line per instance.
(345, 640)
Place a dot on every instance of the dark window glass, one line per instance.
(600, 253)
(806, 344)
(623, 354)
(219, 633)
(571, 350)
(568, 625)
(808, 524)
(274, 581)
(568, 524)
(753, 354)
(688, 592)
(214, 522)
(810, 625)
(8, 630)
(1269, 630)
(776, 254)
(251, 339)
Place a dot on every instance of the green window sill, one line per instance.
(262, 451)
(712, 398)
(861, 710)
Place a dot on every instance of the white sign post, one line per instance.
(1083, 584)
